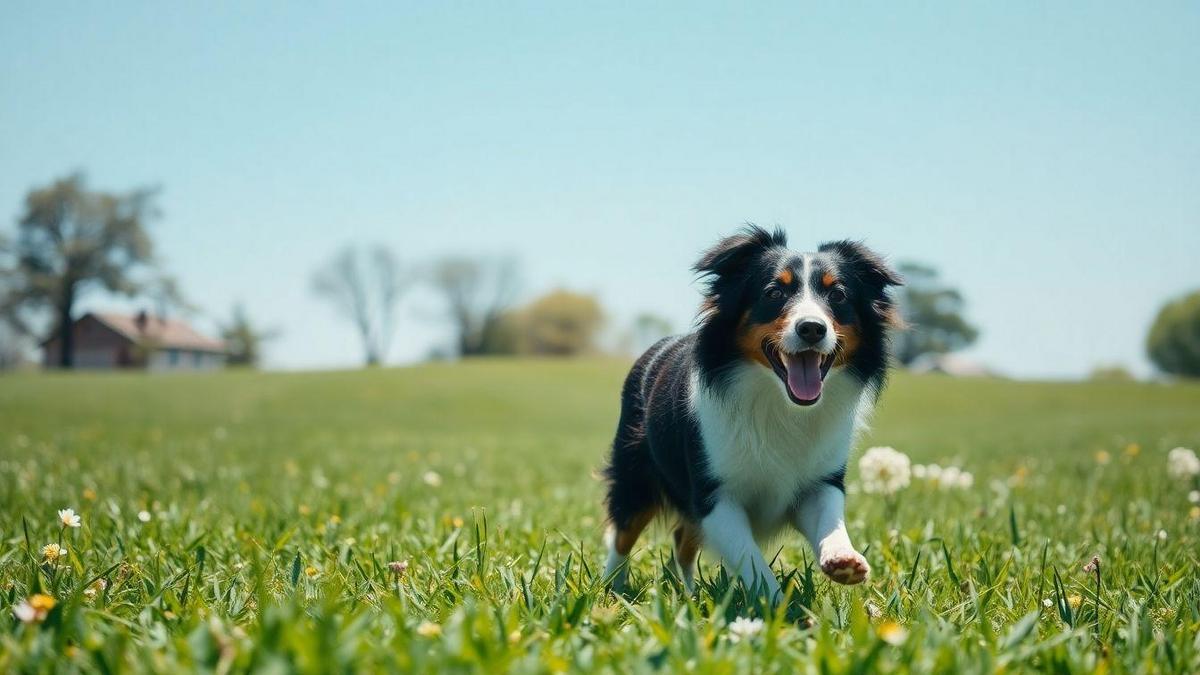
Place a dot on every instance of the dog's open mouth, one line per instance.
(802, 373)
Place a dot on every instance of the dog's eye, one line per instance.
(837, 295)
(774, 293)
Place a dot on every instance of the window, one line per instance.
(197, 359)
(173, 357)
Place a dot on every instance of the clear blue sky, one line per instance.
(1046, 156)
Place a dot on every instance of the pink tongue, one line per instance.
(804, 375)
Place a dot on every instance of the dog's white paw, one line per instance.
(845, 566)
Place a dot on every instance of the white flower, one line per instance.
(949, 478)
(432, 478)
(93, 590)
(918, 470)
(1162, 535)
(1194, 496)
(933, 472)
(744, 629)
(1183, 463)
(68, 518)
(884, 470)
(1047, 603)
(144, 516)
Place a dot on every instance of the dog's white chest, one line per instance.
(764, 449)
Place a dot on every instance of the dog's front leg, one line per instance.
(820, 517)
(727, 529)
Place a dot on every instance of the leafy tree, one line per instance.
(477, 293)
(70, 241)
(244, 340)
(366, 290)
(649, 328)
(560, 323)
(1174, 340)
(934, 314)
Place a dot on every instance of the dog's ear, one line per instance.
(867, 265)
(731, 256)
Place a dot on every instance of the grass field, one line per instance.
(247, 521)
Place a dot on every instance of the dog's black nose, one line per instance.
(811, 330)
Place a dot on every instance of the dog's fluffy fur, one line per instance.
(745, 425)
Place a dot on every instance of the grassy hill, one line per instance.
(246, 520)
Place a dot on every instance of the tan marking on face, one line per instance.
(828, 280)
(848, 340)
(628, 536)
(751, 337)
(785, 277)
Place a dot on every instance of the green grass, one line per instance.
(276, 502)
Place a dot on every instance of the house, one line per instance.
(106, 340)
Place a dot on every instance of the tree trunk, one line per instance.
(66, 330)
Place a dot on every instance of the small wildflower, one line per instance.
(89, 494)
(68, 518)
(143, 516)
(1194, 496)
(35, 609)
(873, 610)
(311, 571)
(885, 470)
(918, 470)
(398, 567)
(1183, 463)
(1102, 457)
(744, 629)
(304, 509)
(432, 478)
(52, 552)
(1194, 514)
(1092, 566)
(1162, 535)
(1047, 603)
(429, 629)
(1132, 450)
(95, 588)
(1075, 601)
(457, 521)
(893, 633)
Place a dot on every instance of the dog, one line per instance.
(744, 426)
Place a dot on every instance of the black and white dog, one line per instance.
(745, 425)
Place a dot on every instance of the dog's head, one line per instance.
(798, 314)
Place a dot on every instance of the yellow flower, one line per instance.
(893, 633)
(52, 552)
(429, 629)
(1102, 457)
(35, 609)
(1132, 450)
(311, 571)
(89, 494)
(1074, 601)
(458, 521)
(1195, 513)
(304, 509)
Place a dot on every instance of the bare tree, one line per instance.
(477, 292)
(366, 290)
(70, 241)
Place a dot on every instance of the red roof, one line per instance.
(166, 333)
